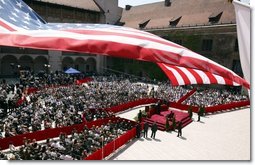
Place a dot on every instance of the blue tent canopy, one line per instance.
(72, 71)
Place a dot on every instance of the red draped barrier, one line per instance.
(112, 146)
(227, 106)
(182, 106)
(187, 95)
(85, 80)
(131, 104)
(213, 108)
(54, 132)
(32, 90)
(49, 133)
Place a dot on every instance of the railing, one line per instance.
(49, 133)
(187, 95)
(112, 146)
(131, 104)
(213, 108)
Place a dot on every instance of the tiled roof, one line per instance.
(192, 13)
(82, 4)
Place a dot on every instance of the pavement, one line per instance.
(220, 136)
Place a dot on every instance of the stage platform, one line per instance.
(160, 119)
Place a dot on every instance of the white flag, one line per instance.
(243, 21)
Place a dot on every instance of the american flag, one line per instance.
(21, 26)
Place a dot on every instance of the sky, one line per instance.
(123, 3)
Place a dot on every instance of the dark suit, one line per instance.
(145, 127)
(140, 116)
(154, 129)
(138, 130)
(179, 129)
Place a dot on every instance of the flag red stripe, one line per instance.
(114, 49)
(169, 74)
(94, 32)
(211, 77)
(196, 75)
(228, 82)
(4, 25)
(182, 74)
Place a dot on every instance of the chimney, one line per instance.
(167, 3)
(128, 7)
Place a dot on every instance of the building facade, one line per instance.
(13, 59)
(207, 27)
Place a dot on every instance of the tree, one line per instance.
(190, 111)
(167, 124)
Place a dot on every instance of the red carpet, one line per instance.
(161, 119)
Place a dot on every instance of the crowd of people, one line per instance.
(213, 97)
(69, 104)
(76, 146)
(167, 92)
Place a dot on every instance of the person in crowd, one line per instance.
(145, 129)
(154, 129)
(179, 128)
(138, 130)
(199, 113)
(140, 116)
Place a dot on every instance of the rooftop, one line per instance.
(191, 13)
(82, 4)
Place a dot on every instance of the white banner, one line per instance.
(243, 21)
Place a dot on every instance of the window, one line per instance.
(174, 21)
(207, 45)
(215, 17)
(143, 24)
(236, 67)
(178, 42)
(87, 68)
(236, 46)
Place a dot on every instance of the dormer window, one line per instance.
(174, 21)
(215, 17)
(143, 23)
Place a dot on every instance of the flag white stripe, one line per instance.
(219, 79)
(177, 75)
(190, 76)
(204, 77)
(113, 38)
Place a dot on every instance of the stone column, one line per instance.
(55, 60)
(101, 63)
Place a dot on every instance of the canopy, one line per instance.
(72, 71)
(117, 41)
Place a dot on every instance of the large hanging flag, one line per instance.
(186, 76)
(20, 26)
(243, 23)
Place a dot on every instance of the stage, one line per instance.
(160, 119)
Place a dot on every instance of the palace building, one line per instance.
(206, 27)
(13, 59)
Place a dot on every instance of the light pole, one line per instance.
(47, 68)
(19, 66)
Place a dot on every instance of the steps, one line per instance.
(161, 126)
(186, 121)
(160, 119)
